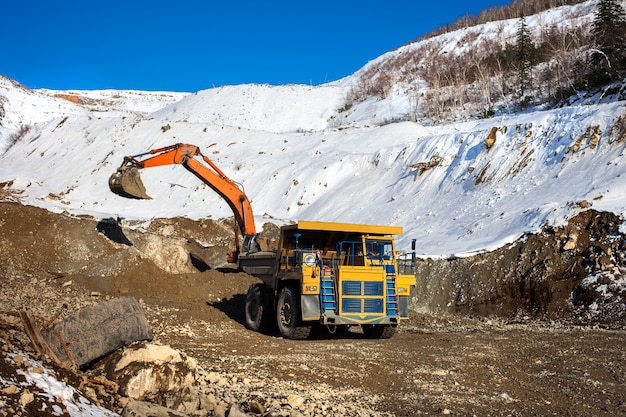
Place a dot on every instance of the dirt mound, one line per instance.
(113, 257)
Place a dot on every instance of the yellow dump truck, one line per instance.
(334, 274)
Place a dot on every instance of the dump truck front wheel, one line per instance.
(288, 315)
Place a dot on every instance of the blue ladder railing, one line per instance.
(391, 296)
(328, 293)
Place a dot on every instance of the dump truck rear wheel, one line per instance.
(288, 315)
(258, 308)
(378, 331)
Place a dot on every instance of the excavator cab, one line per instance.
(126, 182)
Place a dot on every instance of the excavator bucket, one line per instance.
(126, 182)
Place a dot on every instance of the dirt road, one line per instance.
(433, 365)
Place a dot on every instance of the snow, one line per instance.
(610, 286)
(56, 392)
(268, 108)
(298, 156)
(109, 103)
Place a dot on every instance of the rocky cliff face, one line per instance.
(551, 275)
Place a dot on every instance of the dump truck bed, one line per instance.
(366, 229)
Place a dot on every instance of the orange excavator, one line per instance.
(126, 182)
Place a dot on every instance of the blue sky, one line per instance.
(189, 45)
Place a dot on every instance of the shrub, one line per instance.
(17, 136)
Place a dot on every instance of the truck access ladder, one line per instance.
(328, 292)
(392, 296)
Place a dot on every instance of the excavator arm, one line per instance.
(126, 182)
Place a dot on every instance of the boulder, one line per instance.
(155, 373)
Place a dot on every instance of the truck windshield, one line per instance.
(379, 250)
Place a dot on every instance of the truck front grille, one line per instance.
(367, 288)
(362, 305)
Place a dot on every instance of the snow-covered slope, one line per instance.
(288, 108)
(109, 103)
(20, 106)
(298, 156)
(473, 199)
(403, 67)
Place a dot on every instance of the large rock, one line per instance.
(156, 374)
(168, 253)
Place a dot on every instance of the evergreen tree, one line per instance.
(609, 31)
(525, 53)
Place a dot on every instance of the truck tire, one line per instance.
(378, 331)
(259, 302)
(96, 331)
(288, 315)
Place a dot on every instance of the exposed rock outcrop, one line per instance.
(538, 276)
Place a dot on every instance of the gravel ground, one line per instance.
(435, 364)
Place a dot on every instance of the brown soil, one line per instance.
(435, 364)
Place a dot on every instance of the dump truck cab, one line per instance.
(334, 274)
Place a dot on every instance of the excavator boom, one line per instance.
(126, 181)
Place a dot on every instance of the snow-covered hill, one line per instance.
(291, 108)
(20, 106)
(299, 155)
(111, 103)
